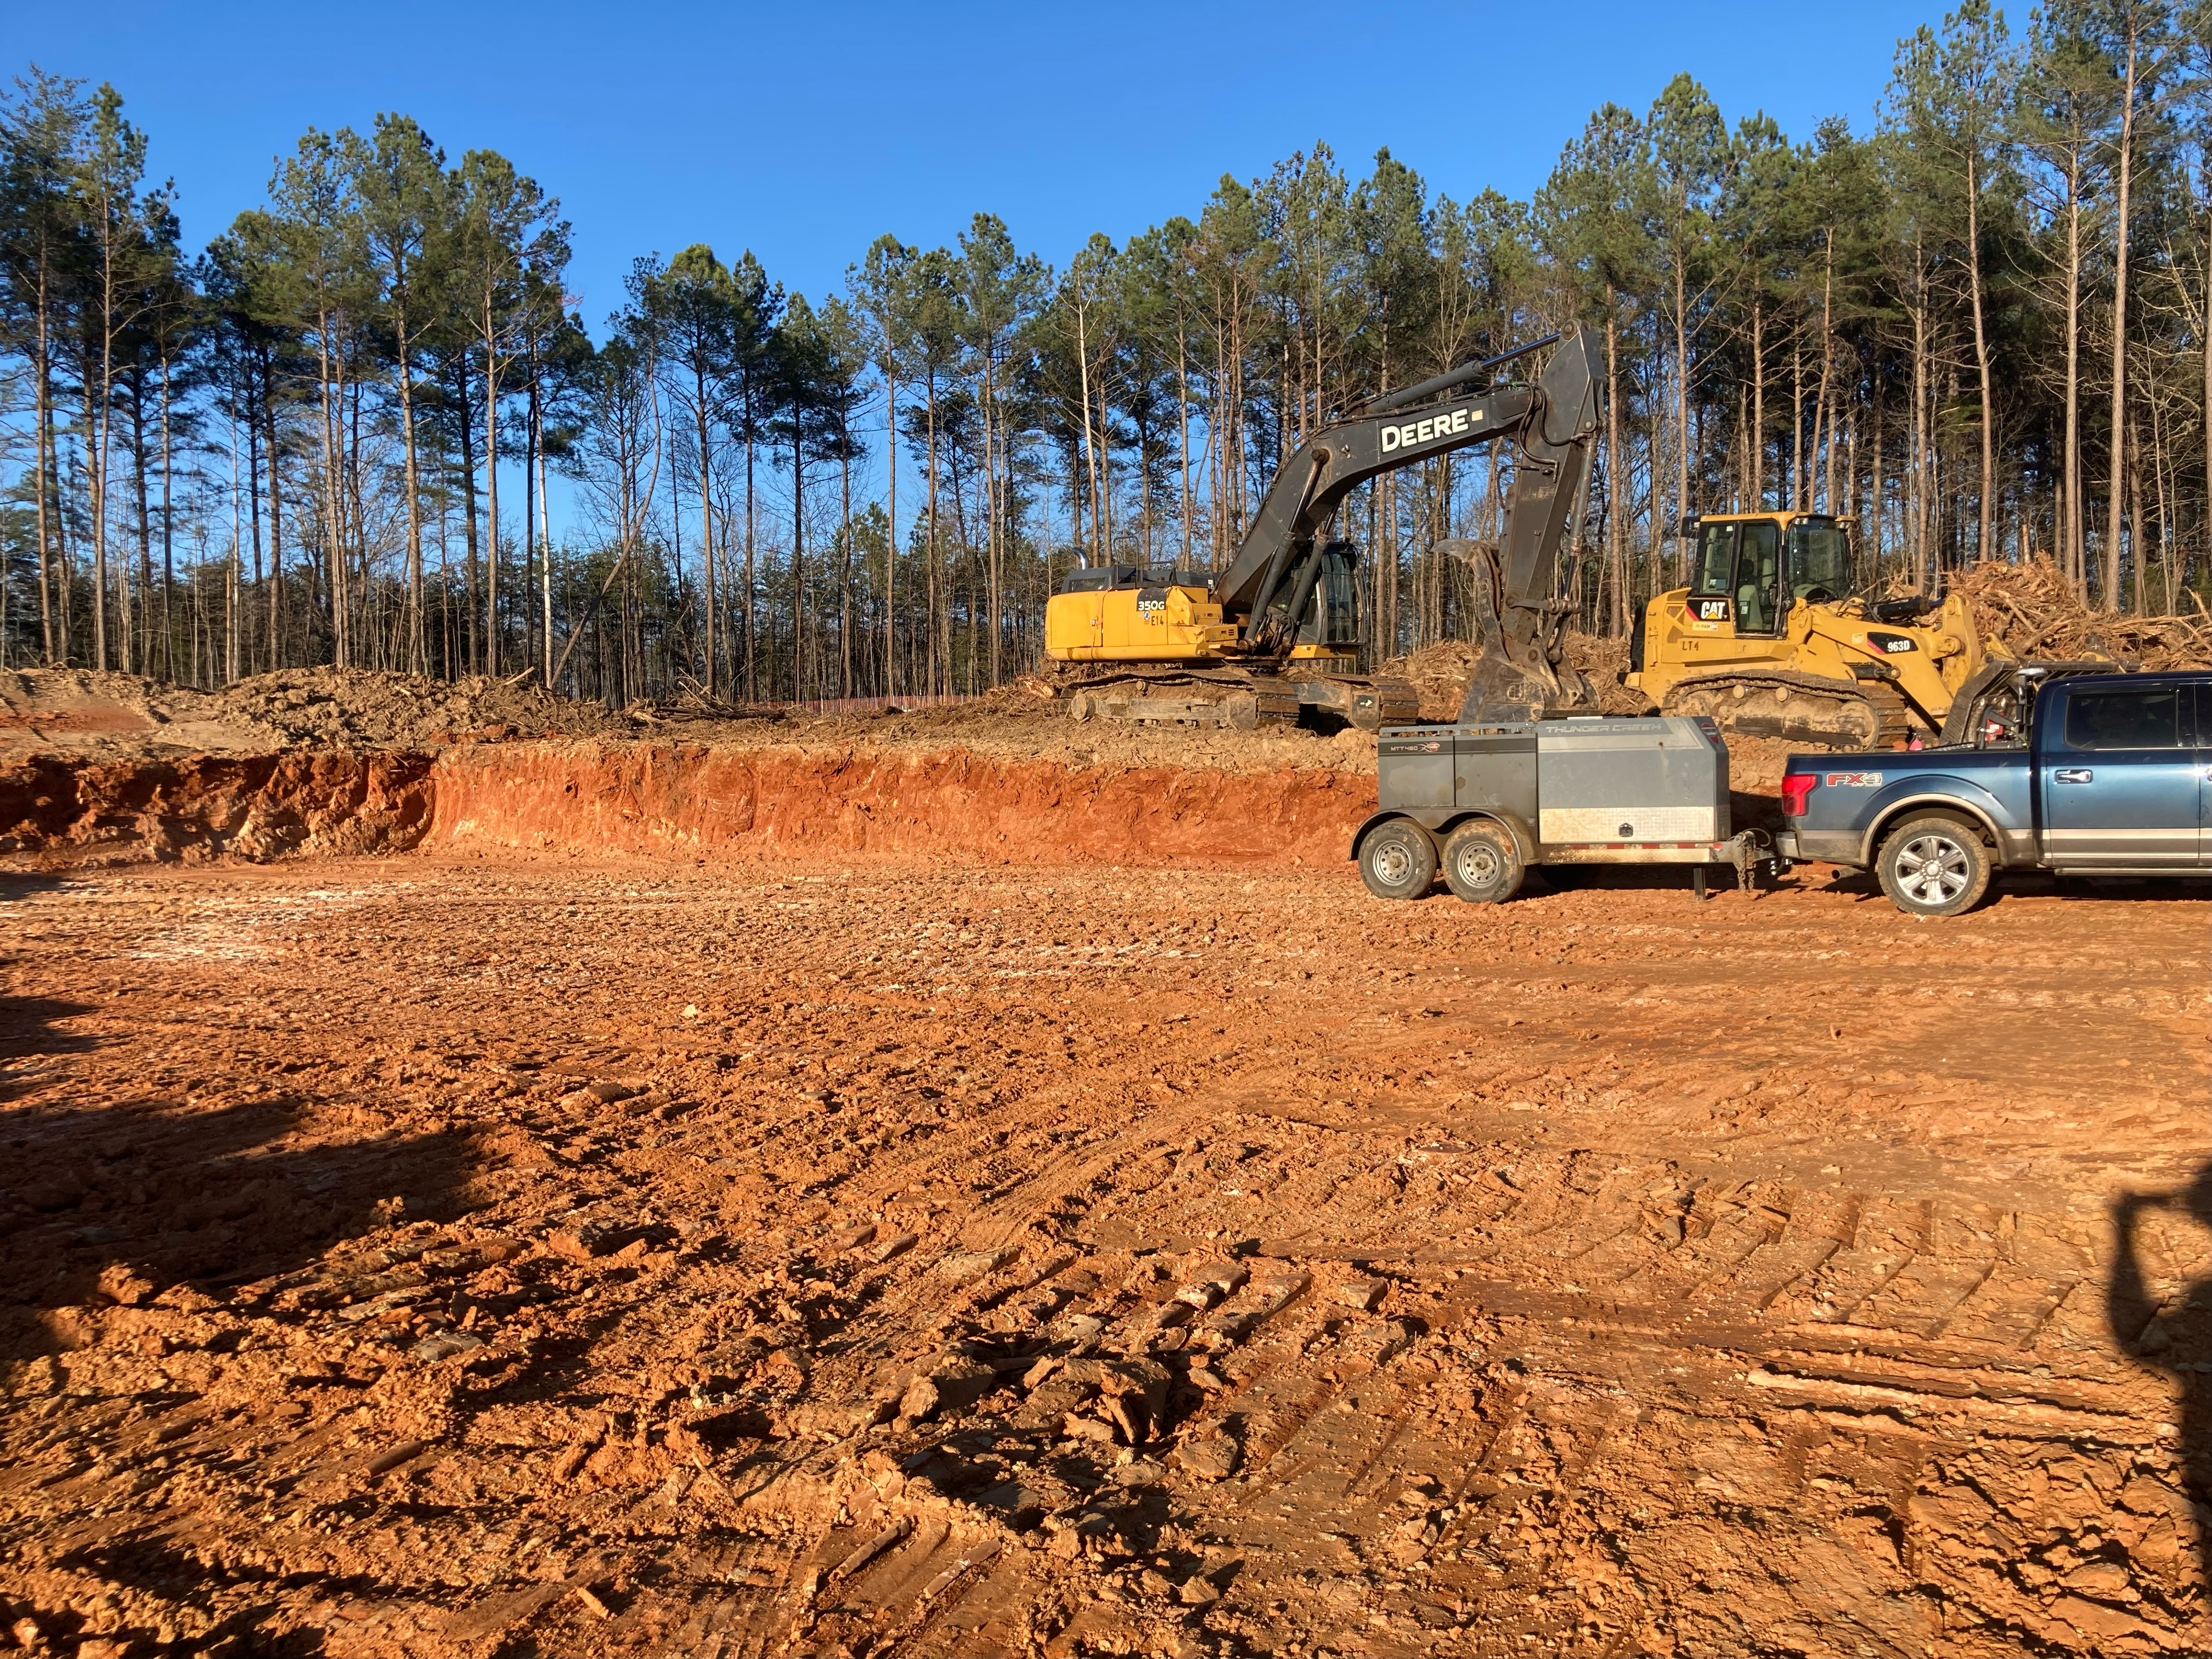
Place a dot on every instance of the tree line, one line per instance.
(332, 436)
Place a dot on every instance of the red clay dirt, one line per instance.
(843, 1231)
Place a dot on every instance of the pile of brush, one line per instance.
(2032, 611)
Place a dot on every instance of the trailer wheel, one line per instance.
(1397, 861)
(1481, 864)
(1933, 866)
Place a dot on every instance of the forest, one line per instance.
(366, 426)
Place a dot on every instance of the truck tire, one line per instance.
(1933, 866)
(1481, 864)
(1397, 861)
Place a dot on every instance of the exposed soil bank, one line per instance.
(255, 807)
(665, 800)
(789, 802)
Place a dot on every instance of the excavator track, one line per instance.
(1796, 707)
(1231, 697)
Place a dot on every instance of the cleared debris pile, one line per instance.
(1439, 673)
(358, 708)
(2033, 610)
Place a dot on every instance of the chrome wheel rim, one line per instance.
(1933, 869)
(1393, 865)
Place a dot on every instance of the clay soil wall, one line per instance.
(55, 810)
(673, 800)
(794, 803)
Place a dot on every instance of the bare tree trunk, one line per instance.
(890, 540)
(1825, 413)
(1984, 545)
(1757, 392)
(1617, 500)
(492, 486)
(48, 478)
(2111, 594)
(845, 541)
(706, 514)
(2072, 553)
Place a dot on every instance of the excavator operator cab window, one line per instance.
(1333, 618)
(1819, 562)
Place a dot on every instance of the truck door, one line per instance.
(2202, 753)
(2120, 789)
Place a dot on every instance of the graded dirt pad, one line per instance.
(580, 1255)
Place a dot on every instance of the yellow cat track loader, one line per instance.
(1769, 641)
(1279, 631)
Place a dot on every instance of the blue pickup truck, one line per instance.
(2063, 770)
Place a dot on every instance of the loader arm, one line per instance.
(1552, 425)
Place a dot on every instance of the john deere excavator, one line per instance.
(1279, 631)
(1770, 639)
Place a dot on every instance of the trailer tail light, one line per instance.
(1796, 791)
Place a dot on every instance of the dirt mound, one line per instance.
(2033, 610)
(1440, 673)
(91, 716)
(356, 708)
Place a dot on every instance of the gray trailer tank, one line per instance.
(1485, 803)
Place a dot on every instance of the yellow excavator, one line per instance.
(1278, 633)
(1769, 640)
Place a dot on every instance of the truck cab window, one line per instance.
(1759, 579)
(1819, 562)
(2149, 718)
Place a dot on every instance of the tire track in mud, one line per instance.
(747, 1278)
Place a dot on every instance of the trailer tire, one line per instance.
(1481, 864)
(1397, 859)
(1934, 866)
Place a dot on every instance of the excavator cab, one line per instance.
(1330, 626)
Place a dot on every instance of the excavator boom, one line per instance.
(1261, 617)
(1551, 423)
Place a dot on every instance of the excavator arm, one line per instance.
(1552, 424)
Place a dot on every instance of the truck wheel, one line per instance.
(1398, 861)
(1481, 865)
(1933, 866)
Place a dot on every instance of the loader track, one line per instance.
(1797, 708)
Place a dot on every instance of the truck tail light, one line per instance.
(1796, 791)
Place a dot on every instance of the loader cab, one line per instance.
(1750, 569)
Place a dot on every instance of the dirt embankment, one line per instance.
(93, 768)
(110, 768)
(254, 807)
(792, 802)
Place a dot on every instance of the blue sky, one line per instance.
(804, 130)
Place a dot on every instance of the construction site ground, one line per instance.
(960, 1206)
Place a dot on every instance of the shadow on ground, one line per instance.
(2171, 1334)
(111, 1192)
